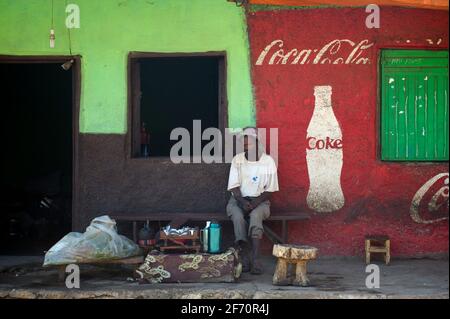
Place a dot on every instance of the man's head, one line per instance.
(250, 142)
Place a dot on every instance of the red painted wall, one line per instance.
(378, 195)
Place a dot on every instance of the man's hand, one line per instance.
(258, 200)
(247, 206)
(243, 203)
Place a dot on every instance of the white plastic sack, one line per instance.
(100, 241)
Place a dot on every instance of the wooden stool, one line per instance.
(378, 244)
(295, 255)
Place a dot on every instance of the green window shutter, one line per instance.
(414, 105)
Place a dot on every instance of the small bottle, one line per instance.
(144, 141)
(146, 236)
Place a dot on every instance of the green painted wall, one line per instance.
(109, 29)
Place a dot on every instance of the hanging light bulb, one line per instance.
(52, 38)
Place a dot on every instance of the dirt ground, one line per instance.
(24, 277)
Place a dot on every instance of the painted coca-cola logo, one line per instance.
(430, 203)
(339, 51)
(313, 143)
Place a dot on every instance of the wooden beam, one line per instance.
(433, 4)
(192, 216)
(272, 235)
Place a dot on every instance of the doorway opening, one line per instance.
(37, 166)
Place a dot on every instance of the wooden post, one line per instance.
(387, 257)
(284, 231)
(135, 231)
(367, 251)
(62, 273)
(300, 274)
(281, 272)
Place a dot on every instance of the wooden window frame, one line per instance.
(380, 157)
(134, 95)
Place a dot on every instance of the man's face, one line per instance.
(250, 144)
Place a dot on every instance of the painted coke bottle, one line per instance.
(324, 155)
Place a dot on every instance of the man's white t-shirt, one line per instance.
(253, 178)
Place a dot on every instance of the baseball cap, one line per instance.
(250, 131)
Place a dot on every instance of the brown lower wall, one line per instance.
(110, 182)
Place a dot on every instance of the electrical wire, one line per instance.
(70, 40)
(52, 13)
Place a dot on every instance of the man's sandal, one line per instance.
(245, 264)
(244, 259)
(256, 268)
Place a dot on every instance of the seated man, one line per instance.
(253, 177)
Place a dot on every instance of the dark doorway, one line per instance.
(37, 156)
(172, 91)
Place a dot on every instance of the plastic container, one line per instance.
(215, 237)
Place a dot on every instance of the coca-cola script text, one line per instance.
(339, 51)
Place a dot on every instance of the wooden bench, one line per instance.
(178, 219)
